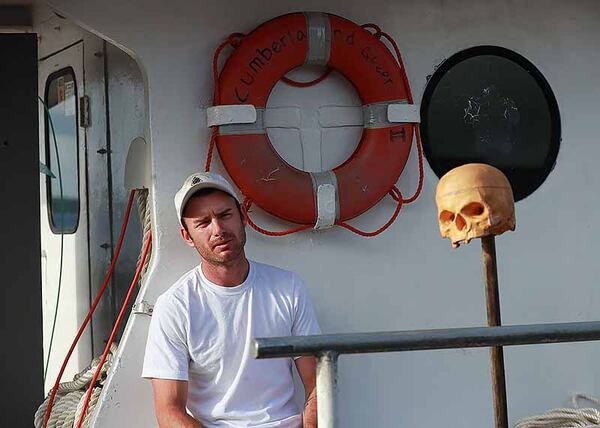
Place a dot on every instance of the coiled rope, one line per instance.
(68, 402)
(565, 417)
(144, 212)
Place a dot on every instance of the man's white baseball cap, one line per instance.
(198, 181)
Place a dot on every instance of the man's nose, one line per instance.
(217, 226)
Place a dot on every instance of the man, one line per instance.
(198, 350)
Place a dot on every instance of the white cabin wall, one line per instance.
(127, 121)
(54, 32)
(73, 283)
(407, 278)
(126, 89)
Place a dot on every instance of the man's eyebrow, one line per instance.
(198, 220)
(201, 219)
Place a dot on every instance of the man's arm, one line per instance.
(170, 398)
(307, 369)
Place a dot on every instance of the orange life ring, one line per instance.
(248, 76)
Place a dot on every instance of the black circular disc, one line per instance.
(490, 105)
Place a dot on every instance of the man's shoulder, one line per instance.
(181, 288)
(274, 271)
(276, 277)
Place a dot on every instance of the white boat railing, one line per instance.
(328, 347)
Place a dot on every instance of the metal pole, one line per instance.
(492, 297)
(327, 389)
(419, 340)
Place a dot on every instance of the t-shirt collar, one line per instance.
(222, 290)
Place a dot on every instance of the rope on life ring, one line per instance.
(320, 200)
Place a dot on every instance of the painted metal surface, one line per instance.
(57, 39)
(137, 165)
(54, 33)
(100, 241)
(126, 122)
(419, 340)
(328, 347)
(74, 281)
(327, 408)
(407, 278)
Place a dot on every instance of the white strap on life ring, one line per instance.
(319, 38)
(230, 114)
(246, 119)
(374, 115)
(404, 113)
(325, 189)
(382, 115)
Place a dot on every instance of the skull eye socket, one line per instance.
(446, 216)
(473, 209)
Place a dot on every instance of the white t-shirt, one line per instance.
(202, 332)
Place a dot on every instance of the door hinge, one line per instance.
(84, 111)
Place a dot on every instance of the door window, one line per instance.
(62, 155)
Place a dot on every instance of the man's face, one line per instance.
(215, 228)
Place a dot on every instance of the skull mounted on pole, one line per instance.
(476, 201)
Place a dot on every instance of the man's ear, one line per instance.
(244, 216)
(186, 237)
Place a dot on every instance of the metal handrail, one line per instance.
(328, 347)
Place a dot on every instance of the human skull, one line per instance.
(474, 200)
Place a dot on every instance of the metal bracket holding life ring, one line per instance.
(323, 199)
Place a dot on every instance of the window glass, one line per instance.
(491, 105)
(61, 100)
